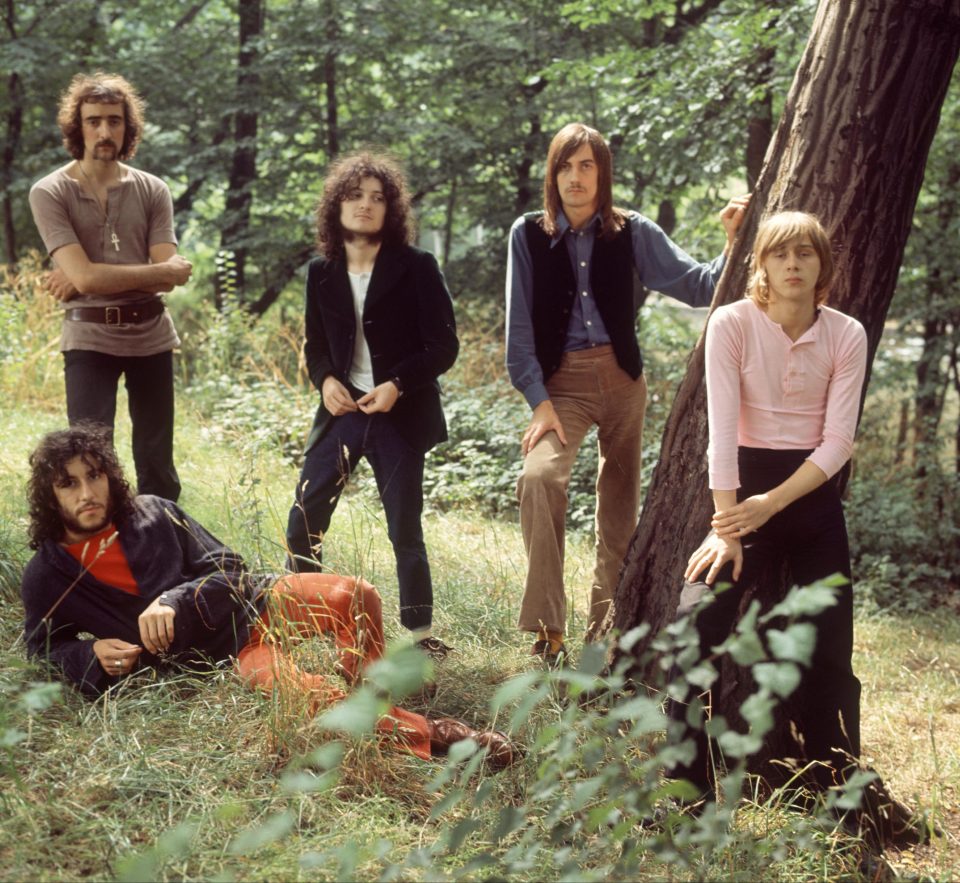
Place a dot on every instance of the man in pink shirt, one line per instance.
(784, 379)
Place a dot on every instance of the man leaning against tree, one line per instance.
(572, 351)
(109, 230)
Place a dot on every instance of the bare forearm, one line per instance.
(732, 519)
(75, 273)
(724, 500)
(116, 279)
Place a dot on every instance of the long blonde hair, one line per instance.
(779, 229)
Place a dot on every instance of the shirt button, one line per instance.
(589, 323)
(585, 294)
(583, 263)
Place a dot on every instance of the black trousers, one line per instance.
(810, 537)
(92, 379)
(398, 470)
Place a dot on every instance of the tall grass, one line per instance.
(194, 777)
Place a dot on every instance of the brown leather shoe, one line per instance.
(501, 752)
(444, 731)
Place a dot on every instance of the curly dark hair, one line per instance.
(344, 175)
(93, 443)
(100, 88)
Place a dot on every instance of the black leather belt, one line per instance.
(124, 314)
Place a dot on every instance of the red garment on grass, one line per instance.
(319, 603)
(104, 560)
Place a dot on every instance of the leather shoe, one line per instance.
(553, 658)
(444, 731)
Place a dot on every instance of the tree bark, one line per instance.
(243, 168)
(851, 147)
(332, 32)
(11, 143)
(531, 147)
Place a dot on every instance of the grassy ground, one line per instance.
(196, 778)
(92, 789)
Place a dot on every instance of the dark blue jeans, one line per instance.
(91, 382)
(809, 537)
(398, 470)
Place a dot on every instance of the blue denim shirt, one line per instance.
(661, 265)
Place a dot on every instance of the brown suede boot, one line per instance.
(444, 731)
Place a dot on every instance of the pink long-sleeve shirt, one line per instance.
(765, 390)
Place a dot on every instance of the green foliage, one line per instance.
(594, 805)
(468, 97)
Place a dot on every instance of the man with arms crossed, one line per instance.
(572, 351)
(109, 229)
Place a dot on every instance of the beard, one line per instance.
(72, 525)
(372, 238)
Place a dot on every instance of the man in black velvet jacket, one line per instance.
(380, 330)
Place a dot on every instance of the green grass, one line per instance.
(195, 777)
(93, 786)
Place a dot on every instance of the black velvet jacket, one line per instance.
(168, 553)
(410, 328)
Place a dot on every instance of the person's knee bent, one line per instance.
(542, 474)
(366, 601)
(257, 666)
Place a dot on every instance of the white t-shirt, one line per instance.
(361, 369)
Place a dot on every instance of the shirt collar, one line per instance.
(563, 225)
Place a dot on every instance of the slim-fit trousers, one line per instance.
(91, 380)
(588, 389)
(311, 604)
(810, 537)
(398, 470)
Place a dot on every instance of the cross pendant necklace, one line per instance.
(114, 239)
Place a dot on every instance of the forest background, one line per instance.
(247, 103)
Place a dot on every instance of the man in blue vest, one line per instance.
(572, 351)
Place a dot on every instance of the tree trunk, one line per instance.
(851, 147)
(931, 391)
(243, 168)
(11, 144)
(531, 148)
(940, 294)
(332, 31)
(955, 371)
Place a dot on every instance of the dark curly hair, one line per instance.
(344, 175)
(91, 442)
(100, 88)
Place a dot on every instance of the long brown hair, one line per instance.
(100, 88)
(48, 464)
(778, 230)
(344, 176)
(564, 145)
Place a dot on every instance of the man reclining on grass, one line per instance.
(152, 586)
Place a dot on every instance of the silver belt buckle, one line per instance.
(112, 315)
